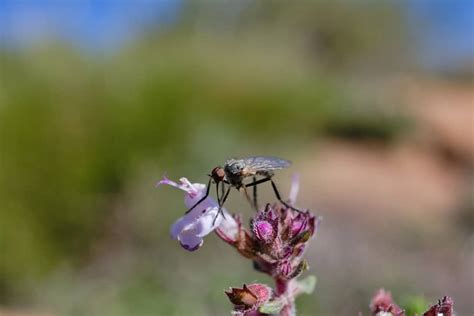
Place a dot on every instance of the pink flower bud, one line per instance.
(284, 268)
(298, 224)
(264, 231)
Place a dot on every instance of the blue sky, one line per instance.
(89, 24)
(444, 29)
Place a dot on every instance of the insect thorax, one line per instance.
(233, 170)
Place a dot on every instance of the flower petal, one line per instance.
(195, 194)
(189, 240)
(208, 222)
(229, 228)
(202, 220)
(230, 225)
(178, 226)
(167, 181)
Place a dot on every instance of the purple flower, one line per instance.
(190, 229)
(265, 225)
(275, 242)
(277, 238)
(264, 231)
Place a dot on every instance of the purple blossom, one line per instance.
(264, 231)
(265, 225)
(190, 229)
(276, 241)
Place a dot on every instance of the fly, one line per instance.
(235, 171)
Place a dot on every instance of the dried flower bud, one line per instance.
(382, 304)
(249, 298)
(444, 307)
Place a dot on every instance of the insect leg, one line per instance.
(217, 193)
(255, 193)
(279, 197)
(258, 182)
(203, 198)
(254, 185)
(220, 211)
(246, 193)
(222, 189)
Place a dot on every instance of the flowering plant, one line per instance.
(275, 242)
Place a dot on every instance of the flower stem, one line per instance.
(283, 290)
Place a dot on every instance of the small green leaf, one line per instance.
(414, 305)
(306, 285)
(271, 307)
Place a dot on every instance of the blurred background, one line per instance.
(373, 101)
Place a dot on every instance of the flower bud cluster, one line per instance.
(280, 236)
(276, 241)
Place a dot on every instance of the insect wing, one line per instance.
(266, 163)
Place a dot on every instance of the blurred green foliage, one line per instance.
(77, 128)
(414, 305)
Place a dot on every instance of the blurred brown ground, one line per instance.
(428, 171)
